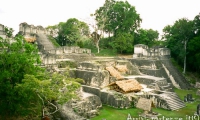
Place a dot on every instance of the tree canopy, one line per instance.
(120, 19)
(117, 16)
(26, 89)
(146, 36)
(178, 36)
(72, 31)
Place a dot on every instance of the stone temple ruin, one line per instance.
(115, 81)
(50, 55)
(2, 32)
(151, 68)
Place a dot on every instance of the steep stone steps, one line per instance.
(43, 40)
(173, 101)
(178, 77)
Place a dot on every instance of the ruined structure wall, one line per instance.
(141, 50)
(115, 99)
(162, 68)
(94, 78)
(2, 32)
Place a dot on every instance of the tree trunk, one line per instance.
(185, 48)
(97, 46)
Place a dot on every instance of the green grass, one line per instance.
(53, 41)
(104, 52)
(109, 113)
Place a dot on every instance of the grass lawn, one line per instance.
(109, 113)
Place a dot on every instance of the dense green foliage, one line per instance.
(72, 31)
(117, 16)
(16, 59)
(148, 37)
(121, 20)
(122, 42)
(26, 89)
(183, 40)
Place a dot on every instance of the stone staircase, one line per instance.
(44, 41)
(178, 77)
(173, 101)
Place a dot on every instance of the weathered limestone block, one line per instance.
(52, 51)
(93, 78)
(89, 66)
(121, 68)
(197, 85)
(59, 50)
(89, 105)
(88, 51)
(198, 92)
(128, 68)
(67, 49)
(86, 107)
(92, 90)
(110, 98)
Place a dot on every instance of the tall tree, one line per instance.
(122, 17)
(115, 17)
(102, 18)
(194, 46)
(177, 37)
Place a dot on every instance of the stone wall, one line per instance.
(86, 107)
(175, 76)
(94, 78)
(2, 32)
(161, 99)
(69, 49)
(162, 68)
(111, 98)
(27, 29)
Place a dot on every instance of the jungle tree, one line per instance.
(27, 89)
(146, 36)
(71, 31)
(118, 17)
(177, 36)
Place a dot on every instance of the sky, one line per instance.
(155, 14)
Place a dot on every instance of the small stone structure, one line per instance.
(48, 53)
(145, 104)
(86, 107)
(30, 31)
(198, 109)
(197, 85)
(198, 92)
(25, 29)
(141, 50)
(2, 31)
